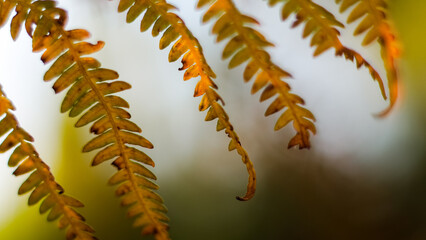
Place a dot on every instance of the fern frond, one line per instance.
(157, 14)
(376, 23)
(322, 25)
(90, 94)
(41, 182)
(247, 44)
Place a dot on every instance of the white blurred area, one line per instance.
(342, 98)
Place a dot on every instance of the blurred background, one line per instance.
(363, 178)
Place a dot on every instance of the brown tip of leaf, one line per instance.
(251, 186)
(393, 95)
(300, 141)
(251, 189)
(54, 88)
(242, 198)
(385, 112)
(43, 59)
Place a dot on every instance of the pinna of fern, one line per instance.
(90, 93)
(322, 25)
(375, 22)
(41, 182)
(247, 44)
(157, 14)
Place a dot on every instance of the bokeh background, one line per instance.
(364, 177)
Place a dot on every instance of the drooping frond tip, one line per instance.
(90, 94)
(322, 26)
(41, 182)
(376, 23)
(186, 46)
(247, 44)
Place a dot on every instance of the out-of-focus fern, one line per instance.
(91, 87)
(41, 182)
(322, 25)
(157, 13)
(247, 44)
(375, 21)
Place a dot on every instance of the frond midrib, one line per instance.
(70, 215)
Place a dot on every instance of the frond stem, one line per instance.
(251, 186)
(186, 35)
(268, 67)
(201, 63)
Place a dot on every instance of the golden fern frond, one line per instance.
(375, 19)
(41, 182)
(91, 86)
(157, 14)
(322, 25)
(247, 44)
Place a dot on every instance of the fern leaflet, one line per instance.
(247, 44)
(375, 20)
(91, 86)
(322, 25)
(157, 13)
(41, 182)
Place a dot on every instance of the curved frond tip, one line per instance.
(41, 183)
(323, 27)
(157, 13)
(90, 95)
(376, 25)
